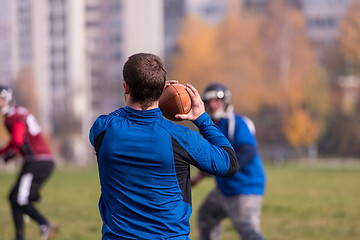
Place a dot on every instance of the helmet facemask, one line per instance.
(218, 91)
(218, 114)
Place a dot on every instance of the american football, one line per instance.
(174, 100)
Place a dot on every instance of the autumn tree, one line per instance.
(196, 58)
(228, 52)
(241, 58)
(349, 38)
(292, 74)
(24, 87)
(300, 130)
(342, 136)
(4, 135)
(266, 61)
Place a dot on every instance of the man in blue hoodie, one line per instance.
(144, 160)
(239, 196)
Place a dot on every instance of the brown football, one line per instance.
(174, 100)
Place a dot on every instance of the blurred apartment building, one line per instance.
(48, 38)
(104, 40)
(4, 53)
(114, 31)
(347, 91)
(212, 11)
(322, 21)
(321, 16)
(174, 13)
(76, 50)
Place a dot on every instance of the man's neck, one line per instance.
(138, 106)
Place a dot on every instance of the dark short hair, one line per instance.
(145, 75)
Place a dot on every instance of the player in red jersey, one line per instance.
(38, 164)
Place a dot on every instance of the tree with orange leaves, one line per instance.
(299, 129)
(265, 60)
(25, 90)
(241, 58)
(229, 52)
(342, 136)
(196, 59)
(349, 38)
(292, 72)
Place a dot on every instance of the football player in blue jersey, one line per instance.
(238, 197)
(144, 160)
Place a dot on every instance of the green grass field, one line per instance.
(310, 202)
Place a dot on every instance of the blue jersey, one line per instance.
(250, 179)
(144, 170)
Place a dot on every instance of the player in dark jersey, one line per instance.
(38, 164)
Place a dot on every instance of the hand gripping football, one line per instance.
(174, 100)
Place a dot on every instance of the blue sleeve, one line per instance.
(219, 156)
(91, 135)
(243, 135)
(211, 132)
(245, 154)
(245, 143)
(98, 126)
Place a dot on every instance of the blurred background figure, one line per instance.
(238, 197)
(26, 141)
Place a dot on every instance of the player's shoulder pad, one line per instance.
(18, 113)
(249, 123)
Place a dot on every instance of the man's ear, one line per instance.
(126, 88)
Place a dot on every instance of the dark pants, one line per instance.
(26, 190)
